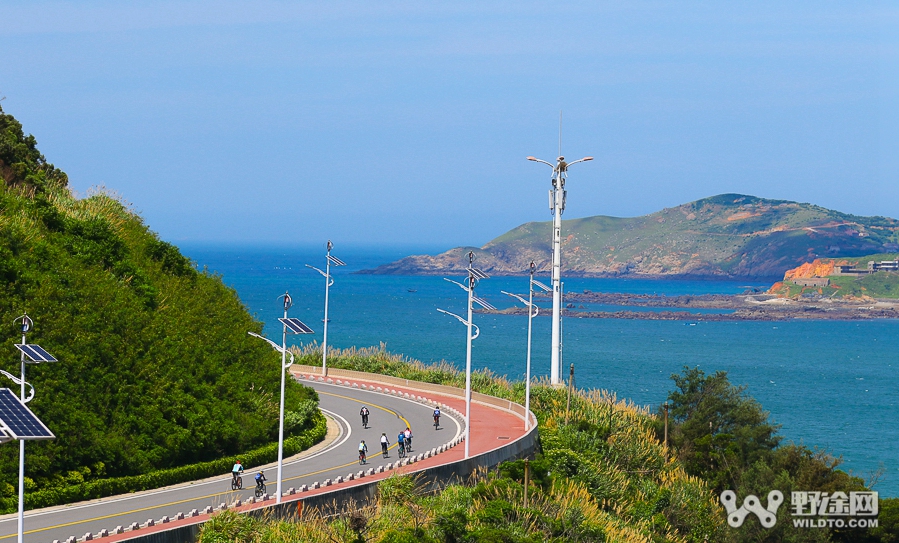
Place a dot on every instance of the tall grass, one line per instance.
(601, 475)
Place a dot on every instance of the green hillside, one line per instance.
(156, 368)
(730, 235)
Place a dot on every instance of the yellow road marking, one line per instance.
(217, 493)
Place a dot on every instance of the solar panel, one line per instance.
(483, 302)
(336, 261)
(36, 353)
(18, 421)
(478, 274)
(296, 326)
(541, 285)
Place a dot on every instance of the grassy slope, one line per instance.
(156, 369)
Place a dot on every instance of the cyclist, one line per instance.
(363, 448)
(236, 471)
(384, 444)
(436, 417)
(401, 444)
(364, 413)
(407, 437)
(260, 480)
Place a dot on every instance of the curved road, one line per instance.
(389, 414)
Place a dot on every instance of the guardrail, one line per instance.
(446, 390)
(431, 478)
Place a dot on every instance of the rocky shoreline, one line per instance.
(747, 307)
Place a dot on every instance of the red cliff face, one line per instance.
(818, 268)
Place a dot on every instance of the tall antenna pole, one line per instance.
(557, 206)
(558, 199)
(560, 132)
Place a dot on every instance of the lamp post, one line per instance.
(533, 310)
(557, 205)
(474, 275)
(36, 354)
(296, 327)
(328, 282)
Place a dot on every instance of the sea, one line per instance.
(831, 385)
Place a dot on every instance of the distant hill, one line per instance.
(724, 236)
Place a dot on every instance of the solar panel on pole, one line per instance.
(484, 303)
(336, 261)
(36, 353)
(541, 286)
(478, 274)
(296, 326)
(17, 421)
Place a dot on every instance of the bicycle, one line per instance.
(260, 489)
(436, 422)
(365, 421)
(361, 457)
(236, 482)
(401, 450)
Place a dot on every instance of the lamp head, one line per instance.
(532, 159)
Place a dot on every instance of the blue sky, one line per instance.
(408, 122)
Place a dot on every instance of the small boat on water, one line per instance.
(411, 290)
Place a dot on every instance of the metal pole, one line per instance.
(527, 480)
(22, 445)
(471, 283)
(568, 403)
(527, 383)
(558, 195)
(666, 428)
(281, 416)
(325, 333)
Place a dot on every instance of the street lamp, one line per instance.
(328, 282)
(296, 327)
(532, 312)
(557, 205)
(36, 354)
(474, 275)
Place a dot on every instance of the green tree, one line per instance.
(719, 430)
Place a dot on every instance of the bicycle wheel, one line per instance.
(234, 485)
(260, 490)
(239, 483)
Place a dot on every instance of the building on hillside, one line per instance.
(812, 281)
(873, 267)
(883, 265)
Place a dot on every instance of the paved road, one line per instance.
(388, 414)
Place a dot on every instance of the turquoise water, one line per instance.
(831, 384)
